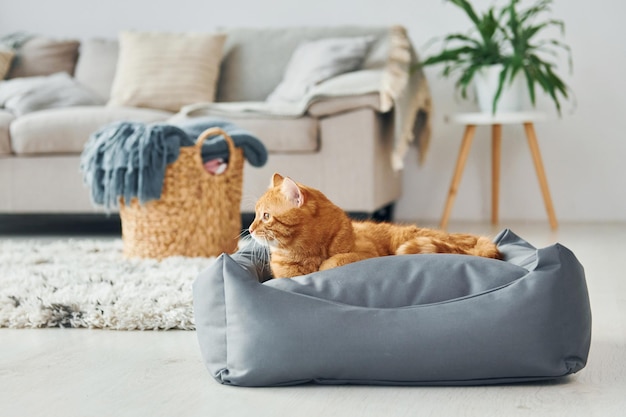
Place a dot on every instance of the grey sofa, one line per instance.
(342, 144)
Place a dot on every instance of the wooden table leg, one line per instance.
(496, 146)
(541, 174)
(458, 172)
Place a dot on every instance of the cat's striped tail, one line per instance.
(459, 244)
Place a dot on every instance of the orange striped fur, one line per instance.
(306, 232)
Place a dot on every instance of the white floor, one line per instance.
(65, 372)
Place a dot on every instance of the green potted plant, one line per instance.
(505, 40)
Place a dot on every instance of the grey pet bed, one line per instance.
(401, 320)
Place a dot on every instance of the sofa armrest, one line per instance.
(346, 92)
(334, 105)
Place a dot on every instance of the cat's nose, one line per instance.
(251, 229)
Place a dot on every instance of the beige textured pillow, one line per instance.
(165, 70)
(5, 62)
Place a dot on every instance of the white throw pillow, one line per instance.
(315, 61)
(28, 94)
(165, 70)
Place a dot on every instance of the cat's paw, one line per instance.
(330, 264)
(342, 259)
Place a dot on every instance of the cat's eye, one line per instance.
(266, 216)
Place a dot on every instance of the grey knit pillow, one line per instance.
(315, 61)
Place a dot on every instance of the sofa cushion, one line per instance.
(278, 134)
(315, 61)
(67, 130)
(166, 70)
(6, 57)
(96, 65)
(43, 56)
(5, 122)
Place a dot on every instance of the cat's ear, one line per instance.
(277, 180)
(293, 193)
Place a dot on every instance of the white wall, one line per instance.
(583, 152)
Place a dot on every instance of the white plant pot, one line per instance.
(514, 96)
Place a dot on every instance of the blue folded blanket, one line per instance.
(128, 159)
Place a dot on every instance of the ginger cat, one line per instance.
(306, 232)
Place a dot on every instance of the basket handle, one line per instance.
(215, 131)
(234, 157)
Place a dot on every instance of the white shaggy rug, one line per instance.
(87, 283)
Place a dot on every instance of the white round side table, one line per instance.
(471, 120)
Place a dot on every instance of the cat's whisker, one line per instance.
(259, 253)
(243, 240)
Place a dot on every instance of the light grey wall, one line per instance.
(583, 151)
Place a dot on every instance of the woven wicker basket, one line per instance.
(198, 213)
